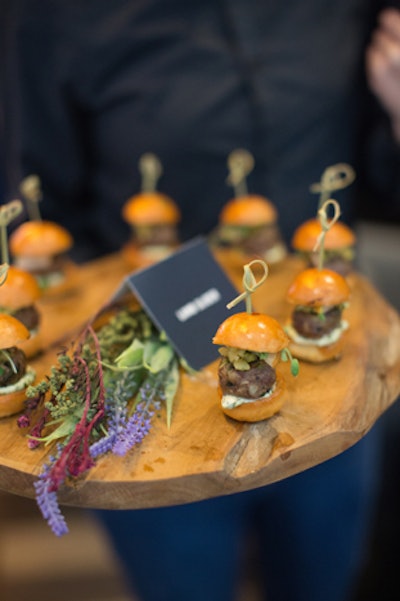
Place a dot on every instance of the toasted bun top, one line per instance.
(318, 288)
(150, 208)
(12, 331)
(338, 236)
(39, 238)
(19, 290)
(249, 210)
(252, 332)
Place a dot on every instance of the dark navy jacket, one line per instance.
(97, 83)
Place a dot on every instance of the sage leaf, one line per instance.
(157, 356)
(132, 356)
(171, 387)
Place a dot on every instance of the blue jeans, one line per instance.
(310, 532)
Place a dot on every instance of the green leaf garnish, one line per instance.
(131, 356)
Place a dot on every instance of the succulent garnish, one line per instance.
(286, 355)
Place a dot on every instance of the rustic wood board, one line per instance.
(206, 454)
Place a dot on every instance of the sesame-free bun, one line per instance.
(249, 210)
(12, 402)
(150, 208)
(259, 409)
(315, 287)
(338, 236)
(12, 331)
(252, 332)
(20, 289)
(39, 238)
(311, 353)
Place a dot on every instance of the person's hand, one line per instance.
(383, 65)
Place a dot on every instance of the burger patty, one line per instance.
(55, 264)
(314, 325)
(339, 264)
(335, 262)
(7, 374)
(261, 239)
(29, 316)
(252, 383)
(163, 235)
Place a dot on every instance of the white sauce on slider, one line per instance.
(28, 263)
(230, 401)
(21, 384)
(323, 341)
(276, 253)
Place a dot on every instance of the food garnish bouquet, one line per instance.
(100, 397)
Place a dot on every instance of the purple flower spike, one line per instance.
(48, 505)
(102, 446)
(135, 430)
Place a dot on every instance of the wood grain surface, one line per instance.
(205, 454)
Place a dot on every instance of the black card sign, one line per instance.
(185, 296)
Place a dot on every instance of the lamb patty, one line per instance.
(7, 374)
(162, 234)
(29, 316)
(333, 261)
(261, 239)
(252, 383)
(315, 325)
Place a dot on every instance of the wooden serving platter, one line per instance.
(205, 454)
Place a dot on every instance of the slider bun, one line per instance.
(260, 409)
(150, 208)
(317, 354)
(315, 287)
(252, 332)
(12, 402)
(19, 290)
(249, 210)
(338, 236)
(12, 331)
(39, 238)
